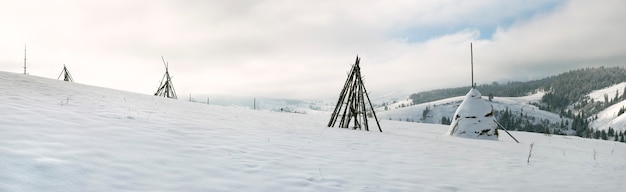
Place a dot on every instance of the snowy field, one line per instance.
(611, 91)
(59, 136)
(609, 118)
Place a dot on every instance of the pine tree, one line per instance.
(569, 113)
(597, 134)
(425, 113)
(445, 120)
(604, 135)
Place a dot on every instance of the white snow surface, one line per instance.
(59, 136)
(474, 118)
(608, 118)
(598, 95)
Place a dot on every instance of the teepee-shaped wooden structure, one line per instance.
(351, 109)
(66, 75)
(166, 89)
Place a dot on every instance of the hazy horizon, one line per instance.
(303, 49)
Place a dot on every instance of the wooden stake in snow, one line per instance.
(530, 152)
(472, 63)
(507, 132)
(24, 58)
(166, 89)
(351, 104)
(67, 77)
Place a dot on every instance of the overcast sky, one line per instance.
(303, 49)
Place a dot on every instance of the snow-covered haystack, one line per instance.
(474, 118)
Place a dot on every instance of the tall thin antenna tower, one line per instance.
(472, 62)
(24, 58)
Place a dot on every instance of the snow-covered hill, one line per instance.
(609, 117)
(610, 92)
(59, 136)
(447, 107)
(444, 107)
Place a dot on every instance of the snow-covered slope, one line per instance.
(609, 118)
(59, 136)
(447, 107)
(610, 92)
(441, 108)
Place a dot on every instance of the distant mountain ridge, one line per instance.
(564, 91)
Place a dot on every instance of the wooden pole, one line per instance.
(24, 58)
(507, 132)
(342, 96)
(67, 73)
(60, 73)
(372, 107)
(472, 63)
(363, 107)
(164, 63)
(350, 109)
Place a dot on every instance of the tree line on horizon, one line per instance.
(563, 90)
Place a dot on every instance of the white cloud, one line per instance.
(302, 49)
(579, 34)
